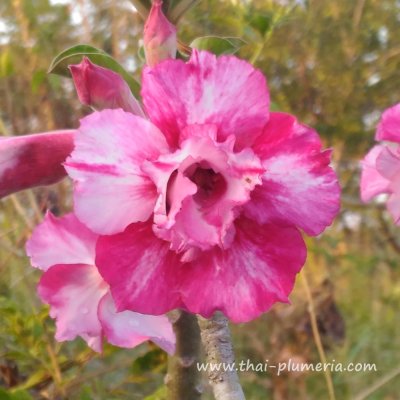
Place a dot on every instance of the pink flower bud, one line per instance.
(102, 88)
(159, 36)
(33, 160)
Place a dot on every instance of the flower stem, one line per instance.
(217, 343)
(183, 377)
(317, 337)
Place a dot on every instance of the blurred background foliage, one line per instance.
(333, 63)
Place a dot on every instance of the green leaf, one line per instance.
(6, 64)
(74, 55)
(142, 54)
(80, 49)
(152, 360)
(86, 393)
(55, 83)
(159, 394)
(33, 380)
(179, 8)
(217, 45)
(261, 22)
(274, 106)
(37, 80)
(4, 395)
(21, 395)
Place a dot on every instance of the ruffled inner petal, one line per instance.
(201, 187)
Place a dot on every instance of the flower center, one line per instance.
(211, 185)
(202, 187)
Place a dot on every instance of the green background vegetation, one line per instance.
(333, 63)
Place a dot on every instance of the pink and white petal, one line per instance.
(107, 205)
(282, 133)
(224, 91)
(142, 272)
(33, 160)
(73, 292)
(299, 186)
(111, 190)
(62, 240)
(389, 125)
(372, 182)
(388, 162)
(129, 329)
(258, 270)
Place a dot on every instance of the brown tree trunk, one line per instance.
(217, 343)
(183, 379)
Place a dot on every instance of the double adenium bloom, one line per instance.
(195, 201)
(207, 194)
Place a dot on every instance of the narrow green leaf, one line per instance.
(33, 380)
(37, 80)
(71, 51)
(142, 7)
(74, 55)
(6, 64)
(159, 394)
(141, 54)
(179, 8)
(217, 45)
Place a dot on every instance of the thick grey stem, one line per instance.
(217, 343)
(183, 379)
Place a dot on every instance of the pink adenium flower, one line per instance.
(160, 40)
(381, 166)
(79, 298)
(203, 201)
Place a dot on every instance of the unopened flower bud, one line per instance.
(102, 88)
(159, 36)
